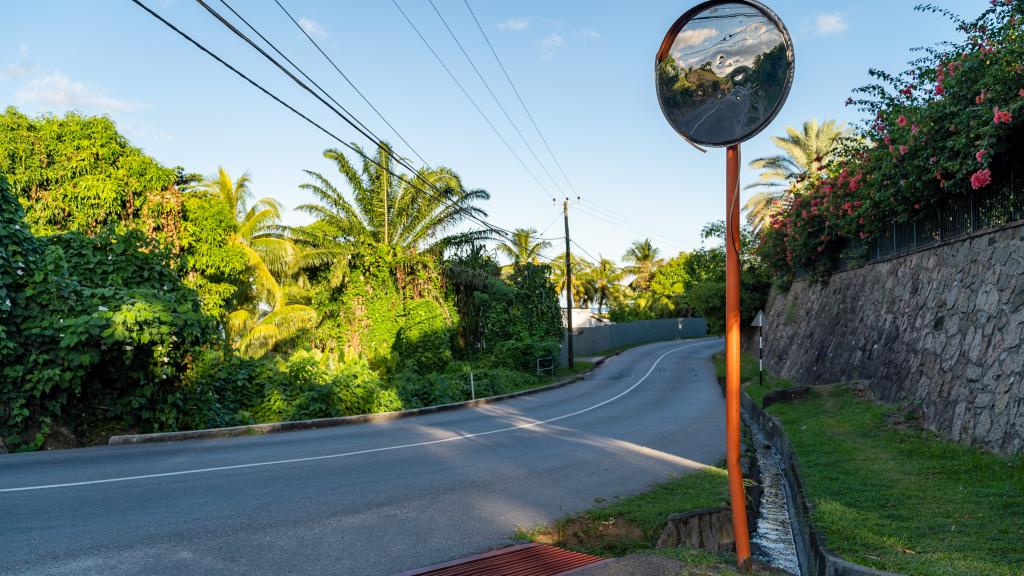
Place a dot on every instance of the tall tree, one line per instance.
(803, 150)
(582, 288)
(525, 246)
(642, 261)
(605, 278)
(266, 317)
(410, 220)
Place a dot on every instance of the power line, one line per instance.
(594, 258)
(472, 101)
(642, 225)
(343, 75)
(495, 97)
(518, 96)
(352, 147)
(607, 220)
(366, 132)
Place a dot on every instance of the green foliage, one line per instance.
(949, 124)
(708, 299)
(229, 390)
(522, 354)
(424, 342)
(216, 269)
(526, 310)
(77, 173)
(97, 331)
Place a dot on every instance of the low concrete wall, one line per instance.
(591, 341)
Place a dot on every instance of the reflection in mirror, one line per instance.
(725, 74)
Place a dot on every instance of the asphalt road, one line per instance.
(375, 498)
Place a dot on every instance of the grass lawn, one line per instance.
(578, 368)
(890, 495)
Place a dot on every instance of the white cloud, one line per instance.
(16, 70)
(550, 44)
(693, 37)
(57, 91)
(591, 34)
(19, 68)
(313, 28)
(515, 24)
(830, 24)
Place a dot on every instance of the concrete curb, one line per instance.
(274, 427)
(815, 558)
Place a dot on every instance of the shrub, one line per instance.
(97, 332)
(522, 354)
(424, 342)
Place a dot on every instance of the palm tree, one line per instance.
(525, 246)
(582, 289)
(642, 259)
(409, 219)
(606, 278)
(803, 151)
(267, 317)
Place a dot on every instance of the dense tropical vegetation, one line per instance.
(137, 297)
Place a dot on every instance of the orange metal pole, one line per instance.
(732, 357)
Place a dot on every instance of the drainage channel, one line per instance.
(772, 542)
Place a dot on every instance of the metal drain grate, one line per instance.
(523, 560)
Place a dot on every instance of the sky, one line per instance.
(585, 69)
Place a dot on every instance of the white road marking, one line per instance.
(357, 452)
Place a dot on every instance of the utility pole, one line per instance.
(568, 286)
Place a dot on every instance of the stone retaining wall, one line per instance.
(939, 330)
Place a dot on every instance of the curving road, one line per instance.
(375, 498)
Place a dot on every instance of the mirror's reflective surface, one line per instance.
(725, 74)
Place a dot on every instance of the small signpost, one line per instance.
(759, 323)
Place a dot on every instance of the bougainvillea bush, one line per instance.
(948, 125)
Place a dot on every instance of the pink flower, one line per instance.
(902, 120)
(1001, 116)
(858, 203)
(981, 178)
(904, 149)
(980, 97)
(887, 139)
(913, 128)
(981, 155)
(909, 90)
(939, 89)
(917, 206)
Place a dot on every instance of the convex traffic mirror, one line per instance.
(723, 71)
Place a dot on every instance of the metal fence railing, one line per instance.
(963, 215)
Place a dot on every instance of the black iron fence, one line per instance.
(963, 215)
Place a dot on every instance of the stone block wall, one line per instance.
(939, 330)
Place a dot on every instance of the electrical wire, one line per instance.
(473, 102)
(620, 225)
(520, 98)
(469, 215)
(349, 81)
(495, 97)
(641, 225)
(367, 133)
